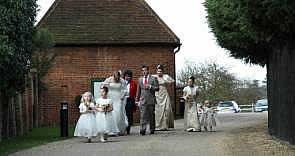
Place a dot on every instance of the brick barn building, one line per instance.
(94, 38)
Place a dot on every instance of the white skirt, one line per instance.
(105, 123)
(86, 126)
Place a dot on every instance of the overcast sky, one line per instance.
(187, 19)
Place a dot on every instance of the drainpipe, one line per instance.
(176, 51)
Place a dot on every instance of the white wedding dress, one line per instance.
(116, 93)
(86, 125)
(104, 120)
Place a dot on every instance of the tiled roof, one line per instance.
(106, 22)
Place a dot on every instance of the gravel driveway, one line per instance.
(164, 143)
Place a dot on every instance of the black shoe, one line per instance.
(89, 141)
(142, 132)
(128, 130)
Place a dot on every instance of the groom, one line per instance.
(147, 85)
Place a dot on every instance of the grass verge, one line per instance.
(255, 140)
(38, 136)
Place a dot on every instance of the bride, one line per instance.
(117, 91)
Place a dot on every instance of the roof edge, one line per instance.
(174, 45)
(48, 12)
(160, 21)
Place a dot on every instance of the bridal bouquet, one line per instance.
(105, 108)
(190, 98)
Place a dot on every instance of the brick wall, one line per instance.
(75, 68)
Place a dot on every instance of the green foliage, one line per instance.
(38, 136)
(16, 28)
(214, 81)
(251, 29)
(42, 57)
(43, 40)
(249, 91)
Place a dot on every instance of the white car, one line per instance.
(228, 107)
(261, 105)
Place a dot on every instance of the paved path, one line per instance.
(170, 143)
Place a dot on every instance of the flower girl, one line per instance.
(204, 116)
(212, 119)
(86, 125)
(104, 117)
(208, 119)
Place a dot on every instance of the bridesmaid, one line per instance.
(204, 117)
(191, 118)
(104, 117)
(163, 110)
(86, 125)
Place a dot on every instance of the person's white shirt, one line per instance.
(147, 79)
(128, 88)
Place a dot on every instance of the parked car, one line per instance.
(261, 105)
(228, 107)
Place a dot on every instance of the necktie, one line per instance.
(145, 81)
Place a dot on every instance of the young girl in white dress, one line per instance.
(104, 117)
(204, 116)
(208, 119)
(212, 119)
(86, 125)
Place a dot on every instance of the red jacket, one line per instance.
(133, 89)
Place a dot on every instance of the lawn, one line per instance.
(38, 136)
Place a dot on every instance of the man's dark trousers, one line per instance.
(129, 112)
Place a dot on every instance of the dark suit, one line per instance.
(147, 100)
(130, 104)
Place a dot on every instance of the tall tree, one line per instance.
(42, 59)
(262, 32)
(17, 19)
(43, 56)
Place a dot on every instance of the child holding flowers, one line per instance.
(104, 118)
(86, 125)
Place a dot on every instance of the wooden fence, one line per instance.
(247, 108)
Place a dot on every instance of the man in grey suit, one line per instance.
(147, 85)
